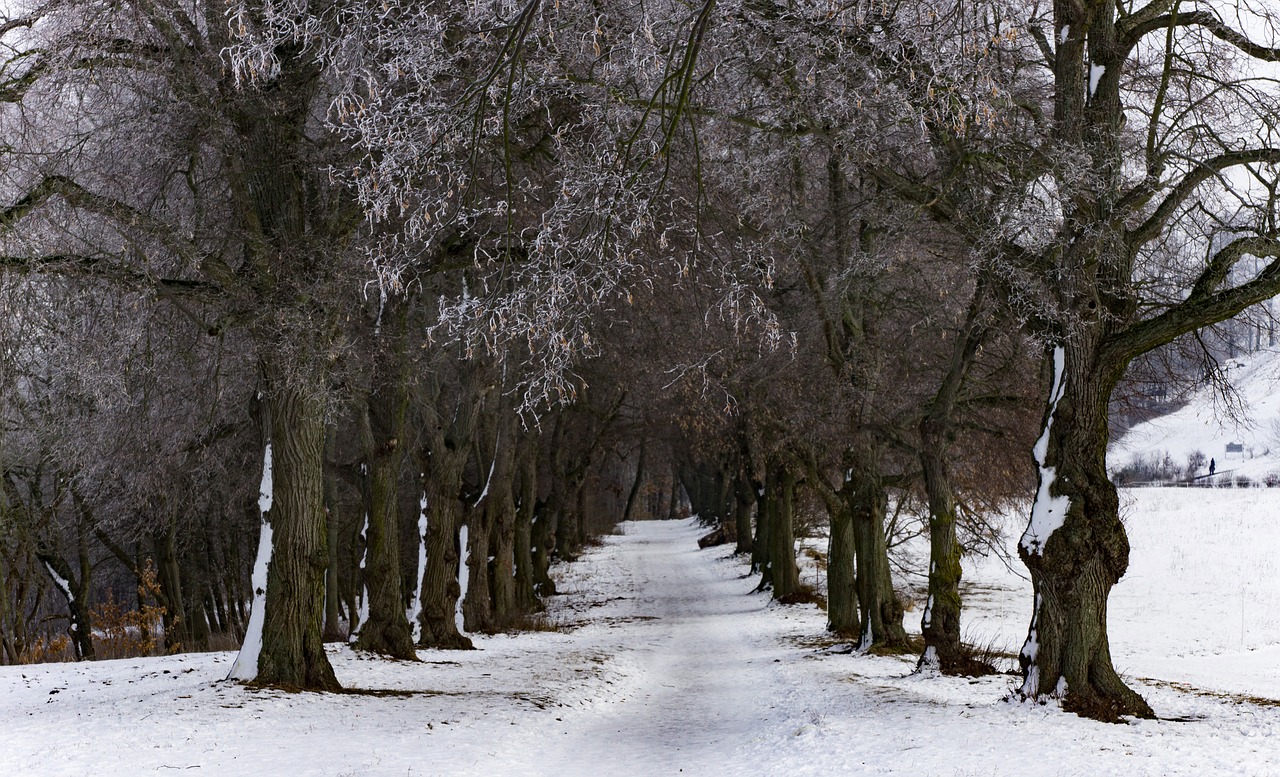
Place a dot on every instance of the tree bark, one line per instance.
(443, 458)
(387, 630)
(629, 510)
(333, 627)
(940, 623)
(783, 575)
(75, 591)
(879, 608)
(765, 516)
(292, 652)
(1075, 546)
(842, 593)
(500, 509)
(744, 499)
(526, 597)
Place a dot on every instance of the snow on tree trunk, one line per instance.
(414, 611)
(245, 667)
(464, 562)
(362, 601)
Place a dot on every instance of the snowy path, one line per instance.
(699, 687)
(667, 664)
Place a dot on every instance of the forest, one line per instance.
(329, 320)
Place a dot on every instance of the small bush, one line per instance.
(1150, 468)
(47, 650)
(122, 633)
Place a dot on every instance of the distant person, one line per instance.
(1213, 465)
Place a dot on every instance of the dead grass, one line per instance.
(1205, 693)
(805, 594)
(536, 622)
(819, 558)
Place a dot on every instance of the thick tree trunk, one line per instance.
(568, 525)
(440, 587)
(177, 629)
(477, 603)
(543, 542)
(842, 592)
(292, 652)
(333, 627)
(940, 623)
(442, 462)
(1075, 546)
(500, 508)
(880, 610)
(783, 574)
(387, 630)
(526, 597)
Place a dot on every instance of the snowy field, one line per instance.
(667, 664)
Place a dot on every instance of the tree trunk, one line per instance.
(880, 610)
(765, 510)
(940, 623)
(842, 592)
(1075, 545)
(526, 597)
(292, 652)
(442, 461)
(543, 542)
(177, 631)
(744, 500)
(500, 508)
(76, 593)
(333, 628)
(629, 510)
(783, 575)
(477, 603)
(440, 587)
(387, 630)
(673, 503)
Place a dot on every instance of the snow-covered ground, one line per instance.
(667, 664)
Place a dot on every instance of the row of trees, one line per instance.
(453, 253)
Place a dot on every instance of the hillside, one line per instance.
(1244, 440)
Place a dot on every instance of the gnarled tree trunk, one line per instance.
(1075, 545)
